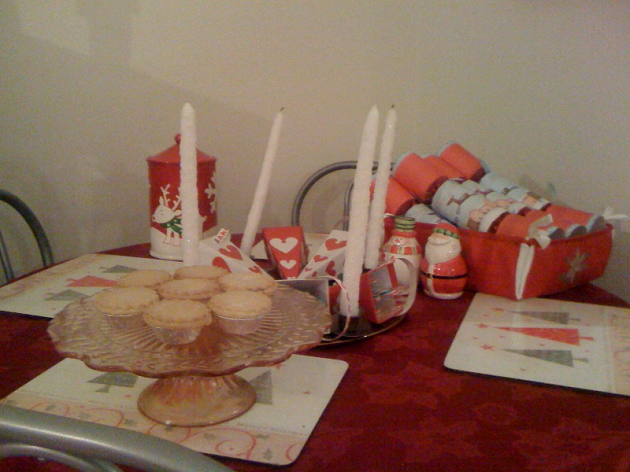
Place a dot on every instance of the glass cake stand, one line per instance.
(196, 383)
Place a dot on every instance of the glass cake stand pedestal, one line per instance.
(196, 383)
(195, 400)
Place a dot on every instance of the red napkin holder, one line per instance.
(286, 249)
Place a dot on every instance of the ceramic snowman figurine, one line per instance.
(443, 269)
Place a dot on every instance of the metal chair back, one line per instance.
(317, 176)
(36, 228)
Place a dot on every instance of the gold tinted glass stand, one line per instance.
(196, 383)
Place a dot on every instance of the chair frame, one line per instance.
(35, 226)
(313, 179)
(91, 447)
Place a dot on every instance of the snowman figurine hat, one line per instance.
(446, 229)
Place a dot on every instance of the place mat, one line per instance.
(48, 292)
(553, 342)
(291, 396)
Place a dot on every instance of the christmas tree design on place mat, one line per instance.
(90, 281)
(563, 335)
(118, 269)
(114, 379)
(557, 356)
(263, 386)
(561, 317)
(64, 296)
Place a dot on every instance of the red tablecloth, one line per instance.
(398, 408)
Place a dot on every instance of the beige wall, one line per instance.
(89, 89)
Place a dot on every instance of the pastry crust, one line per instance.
(125, 301)
(149, 278)
(248, 281)
(188, 289)
(200, 272)
(177, 314)
(240, 304)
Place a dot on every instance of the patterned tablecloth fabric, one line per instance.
(399, 409)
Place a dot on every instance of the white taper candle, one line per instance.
(359, 209)
(188, 193)
(260, 195)
(377, 211)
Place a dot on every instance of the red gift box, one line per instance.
(517, 268)
(286, 249)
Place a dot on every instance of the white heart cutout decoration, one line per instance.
(284, 246)
(288, 264)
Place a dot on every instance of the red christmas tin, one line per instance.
(165, 202)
